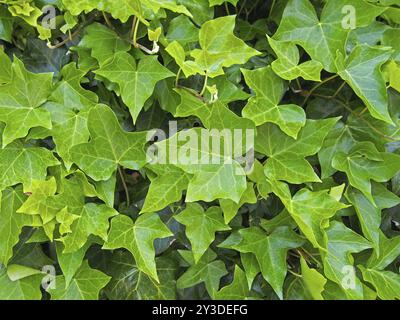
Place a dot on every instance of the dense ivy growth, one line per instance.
(102, 100)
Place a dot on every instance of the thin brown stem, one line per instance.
(359, 116)
(108, 22)
(311, 92)
(65, 41)
(121, 174)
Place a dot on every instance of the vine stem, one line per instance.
(310, 93)
(177, 77)
(70, 36)
(295, 274)
(204, 86)
(107, 20)
(65, 41)
(359, 116)
(227, 9)
(135, 28)
(121, 174)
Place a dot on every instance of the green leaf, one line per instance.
(339, 139)
(310, 210)
(386, 283)
(11, 223)
(338, 261)
(138, 238)
(220, 47)
(85, 285)
(129, 283)
(237, 290)
(24, 289)
(109, 146)
(210, 181)
(287, 155)
(313, 280)
(323, 37)
(287, 65)
(103, 42)
(6, 24)
(70, 262)
(369, 214)
(270, 251)
(388, 251)
(265, 106)
(364, 163)
(231, 208)
(207, 270)
(20, 164)
(121, 11)
(136, 81)
(365, 62)
(69, 112)
(21, 100)
(170, 182)
(93, 220)
(201, 227)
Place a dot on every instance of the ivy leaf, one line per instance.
(6, 24)
(136, 81)
(310, 210)
(364, 163)
(21, 100)
(231, 208)
(200, 10)
(156, 5)
(138, 238)
(103, 42)
(222, 180)
(207, 270)
(188, 67)
(70, 111)
(265, 106)
(85, 285)
(11, 223)
(339, 139)
(287, 65)
(237, 290)
(182, 30)
(388, 251)
(27, 288)
(270, 251)
(323, 37)
(70, 262)
(386, 283)
(365, 62)
(20, 164)
(313, 280)
(129, 283)
(287, 155)
(26, 11)
(201, 227)
(213, 115)
(93, 220)
(338, 261)
(5, 68)
(251, 266)
(369, 214)
(220, 47)
(214, 3)
(171, 182)
(121, 11)
(109, 146)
